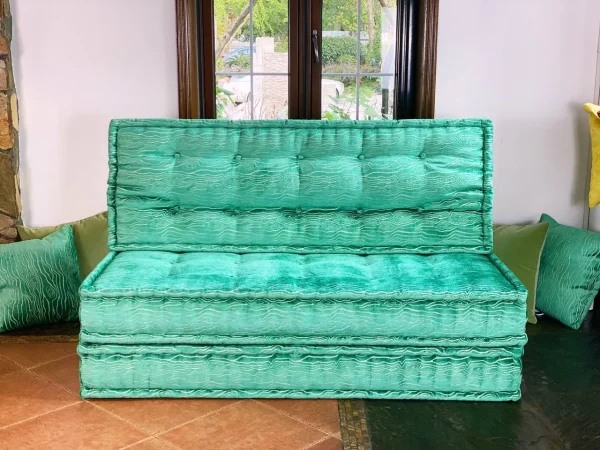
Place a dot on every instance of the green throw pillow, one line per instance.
(91, 240)
(520, 248)
(39, 281)
(569, 273)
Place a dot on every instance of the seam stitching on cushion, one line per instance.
(322, 393)
(100, 295)
(301, 124)
(112, 185)
(487, 136)
(508, 275)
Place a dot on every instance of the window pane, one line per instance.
(363, 98)
(376, 97)
(270, 36)
(340, 36)
(338, 98)
(269, 97)
(378, 37)
(233, 97)
(232, 35)
(251, 43)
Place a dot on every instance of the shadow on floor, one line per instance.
(559, 409)
(56, 332)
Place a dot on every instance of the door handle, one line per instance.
(315, 39)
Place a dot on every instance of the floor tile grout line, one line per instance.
(53, 383)
(19, 367)
(149, 438)
(41, 415)
(53, 361)
(116, 416)
(37, 365)
(312, 444)
(80, 400)
(297, 419)
(150, 434)
(46, 380)
(141, 441)
(195, 419)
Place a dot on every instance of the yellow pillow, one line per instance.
(594, 198)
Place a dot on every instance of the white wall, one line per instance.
(529, 65)
(78, 64)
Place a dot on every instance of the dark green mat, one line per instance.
(560, 407)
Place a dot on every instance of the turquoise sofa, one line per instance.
(302, 259)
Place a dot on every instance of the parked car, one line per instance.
(237, 52)
(239, 86)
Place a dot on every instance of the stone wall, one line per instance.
(10, 196)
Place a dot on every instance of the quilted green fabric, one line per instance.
(303, 259)
(414, 186)
(327, 298)
(39, 281)
(301, 372)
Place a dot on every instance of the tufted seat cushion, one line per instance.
(154, 297)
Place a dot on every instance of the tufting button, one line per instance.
(300, 157)
(238, 157)
(175, 209)
(420, 209)
(422, 155)
(236, 211)
(176, 155)
(298, 210)
(360, 211)
(361, 156)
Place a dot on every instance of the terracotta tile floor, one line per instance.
(40, 408)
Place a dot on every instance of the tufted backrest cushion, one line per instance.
(413, 186)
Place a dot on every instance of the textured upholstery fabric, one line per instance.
(91, 239)
(39, 281)
(569, 274)
(520, 248)
(415, 186)
(328, 298)
(432, 373)
(301, 259)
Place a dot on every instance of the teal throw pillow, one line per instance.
(569, 276)
(39, 281)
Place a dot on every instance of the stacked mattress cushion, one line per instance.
(301, 259)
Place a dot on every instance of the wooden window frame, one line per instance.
(416, 57)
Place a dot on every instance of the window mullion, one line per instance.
(359, 26)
